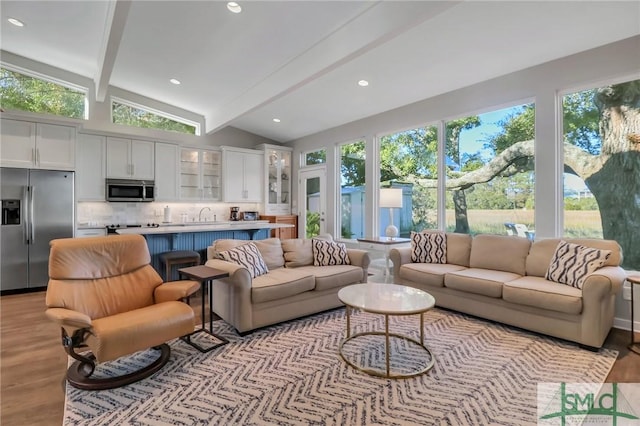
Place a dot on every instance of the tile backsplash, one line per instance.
(104, 213)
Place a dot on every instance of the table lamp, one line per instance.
(391, 198)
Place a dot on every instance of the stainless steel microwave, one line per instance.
(129, 190)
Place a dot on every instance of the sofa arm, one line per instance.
(175, 290)
(399, 256)
(232, 296)
(604, 282)
(359, 258)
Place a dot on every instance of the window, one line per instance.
(408, 160)
(315, 157)
(352, 187)
(482, 195)
(130, 114)
(24, 92)
(601, 144)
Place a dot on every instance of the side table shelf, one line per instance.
(634, 346)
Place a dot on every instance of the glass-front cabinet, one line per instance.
(277, 179)
(200, 174)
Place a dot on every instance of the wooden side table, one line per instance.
(204, 275)
(633, 346)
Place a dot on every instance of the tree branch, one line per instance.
(581, 162)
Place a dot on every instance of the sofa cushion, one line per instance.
(572, 263)
(428, 247)
(297, 252)
(326, 253)
(458, 248)
(479, 281)
(270, 249)
(333, 276)
(544, 294)
(500, 252)
(427, 273)
(280, 283)
(248, 256)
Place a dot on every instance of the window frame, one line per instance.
(53, 80)
(338, 187)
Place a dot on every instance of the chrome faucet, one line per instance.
(200, 214)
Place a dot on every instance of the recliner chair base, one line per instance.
(79, 373)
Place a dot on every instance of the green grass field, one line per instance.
(577, 223)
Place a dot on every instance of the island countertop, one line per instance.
(204, 227)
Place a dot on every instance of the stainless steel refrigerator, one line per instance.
(37, 207)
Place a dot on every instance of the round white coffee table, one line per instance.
(387, 300)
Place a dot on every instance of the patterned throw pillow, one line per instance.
(428, 247)
(571, 263)
(327, 253)
(246, 255)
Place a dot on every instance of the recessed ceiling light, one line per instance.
(16, 22)
(234, 7)
(363, 83)
(276, 120)
(175, 81)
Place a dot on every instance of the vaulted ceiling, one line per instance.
(300, 61)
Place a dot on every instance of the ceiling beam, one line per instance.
(114, 28)
(378, 24)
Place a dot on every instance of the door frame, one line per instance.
(304, 174)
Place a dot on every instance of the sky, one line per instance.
(472, 141)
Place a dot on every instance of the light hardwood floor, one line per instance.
(33, 363)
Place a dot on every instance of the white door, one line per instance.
(312, 201)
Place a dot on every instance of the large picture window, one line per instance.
(352, 190)
(130, 114)
(601, 144)
(35, 94)
(408, 160)
(490, 175)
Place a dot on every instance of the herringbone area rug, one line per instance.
(291, 374)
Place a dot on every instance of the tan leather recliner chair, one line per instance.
(108, 298)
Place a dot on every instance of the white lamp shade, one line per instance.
(391, 197)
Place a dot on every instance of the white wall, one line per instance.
(614, 62)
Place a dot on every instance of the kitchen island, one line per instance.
(198, 236)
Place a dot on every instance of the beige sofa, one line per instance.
(501, 278)
(292, 288)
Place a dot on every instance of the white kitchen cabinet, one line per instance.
(242, 175)
(200, 174)
(167, 164)
(91, 168)
(37, 145)
(277, 179)
(130, 159)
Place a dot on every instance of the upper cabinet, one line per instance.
(167, 164)
(130, 159)
(37, 145)
(277, 178)
(200, 174)
(242, 175)
(91, 170)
